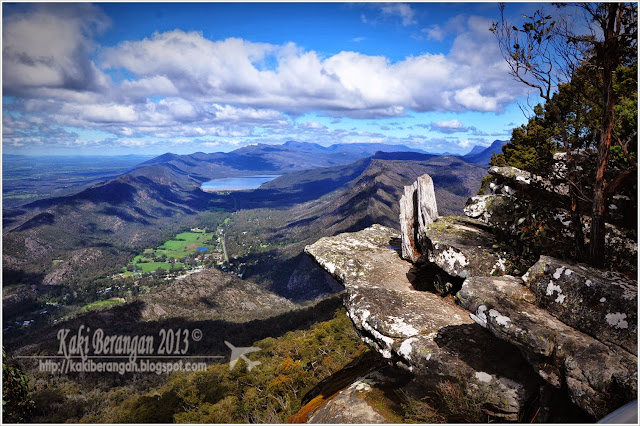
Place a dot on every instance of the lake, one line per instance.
(237, 183)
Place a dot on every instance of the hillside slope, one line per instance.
(360, 194)
(106, 225)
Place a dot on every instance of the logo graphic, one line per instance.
(240, 352)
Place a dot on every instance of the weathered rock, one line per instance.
(418, 208)
(511, 214)
(599, 378)
(516, 178)
(419, 330)
(462, 248)
(603, 304)
(501, 211)
(349, 406)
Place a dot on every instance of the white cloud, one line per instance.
(449, 126)
(49, 45)
(194, 64)
(107, 113)
(402, 10)
(452, 124)
(185, 65)
(158, 85)
(438, 32)
(230, 88)
(312, 125)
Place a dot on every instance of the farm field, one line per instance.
(102, 304)
(173, 252)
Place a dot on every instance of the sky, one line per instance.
(150, 78)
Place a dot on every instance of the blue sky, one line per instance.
(149, 78)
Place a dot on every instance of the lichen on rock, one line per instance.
(561, 326)
(415, 329)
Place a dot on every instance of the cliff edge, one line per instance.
(450, 311)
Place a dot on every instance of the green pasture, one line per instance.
(101, 304)
(152, 266)
(181, 245)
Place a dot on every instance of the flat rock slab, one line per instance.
(599, 378)
(462, 247)
(603, 304)
(420, 330)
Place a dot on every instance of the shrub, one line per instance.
(17, 405)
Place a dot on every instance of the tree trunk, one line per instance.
(607, 58)
(599, 211)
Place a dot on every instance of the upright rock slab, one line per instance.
(418, 208)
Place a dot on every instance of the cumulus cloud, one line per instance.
(181, 84)
(48, 46)
(346, 84)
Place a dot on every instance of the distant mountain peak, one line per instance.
(484, 156)
(477, 149)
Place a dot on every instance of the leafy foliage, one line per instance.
(584, 79)
(16, 401)
(532, 145)
(291, 365)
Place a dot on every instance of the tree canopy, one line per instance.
(588, 81)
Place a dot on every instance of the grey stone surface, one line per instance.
(599, 377)
(501, 211)
(418, 208)
(349, 406)
(420, 330)
(516, 178)
(506, 209)
(462, 247)
(603, 304)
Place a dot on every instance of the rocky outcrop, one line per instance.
(462, 248)
(518, 203)
(602, 304)
(599, 377)
(418, 208)
(420, 330)
(349, 406)
(562, 329)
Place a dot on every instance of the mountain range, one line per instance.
(61, 255)
(73, 240)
